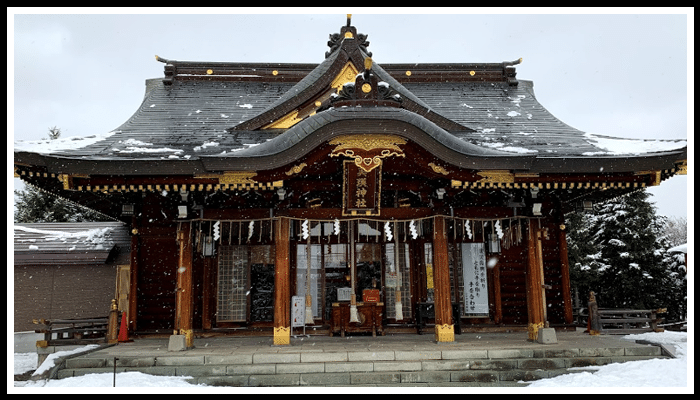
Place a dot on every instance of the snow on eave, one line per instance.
(48, 146)
(621, 146)
(99, 238)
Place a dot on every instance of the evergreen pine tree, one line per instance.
(580, 245)
(618, 252)
(34, 205)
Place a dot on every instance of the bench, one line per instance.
(617, 321)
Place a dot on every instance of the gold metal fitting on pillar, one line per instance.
(189, 337)
(444, 333)
(281, 336)
(533, 330)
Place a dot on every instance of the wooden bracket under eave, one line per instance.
(655, 177)
(682, 167)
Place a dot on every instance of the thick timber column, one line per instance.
(534, 282)
(565, 282)
(444, 329)
(184, 301)
(282, 317)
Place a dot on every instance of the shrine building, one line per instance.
(344, 196)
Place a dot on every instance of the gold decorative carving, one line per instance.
(296, 169)
(444, 333)
(67, 181)
(285, 122)
(347, 74)
(438, 169)
(682, 169)
(366, 87)
(232, 177)
(281, 335)
(496, 176)
(367, 150)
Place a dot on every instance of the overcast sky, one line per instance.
(620, 75)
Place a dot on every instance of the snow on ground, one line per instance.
(633, 374)
(643, 373)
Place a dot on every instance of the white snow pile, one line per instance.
(644, 373)
(45, 146)
(96, 236)
(617, 146)
(510, 149)
(50, 361)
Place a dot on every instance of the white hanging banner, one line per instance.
(476, 293)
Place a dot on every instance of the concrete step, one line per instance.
(291, 367)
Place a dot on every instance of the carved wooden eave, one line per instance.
(298, 114)
(368, 150)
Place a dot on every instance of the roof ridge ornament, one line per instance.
(347, 32)
(367, 90)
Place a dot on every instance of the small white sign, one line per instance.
(298, 306)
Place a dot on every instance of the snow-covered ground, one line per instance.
(644, 373)
(659, 373)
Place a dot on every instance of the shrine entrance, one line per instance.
(362, 263)
(387, 263)
(386, 270)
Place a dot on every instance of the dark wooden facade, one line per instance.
(68, 270)
(244, 182)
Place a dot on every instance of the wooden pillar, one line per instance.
(497, 303)
(444, 329)
(133, 277)
(208, 293)
(184, 300)
(282, 317)
(565, 279)
(534, 281)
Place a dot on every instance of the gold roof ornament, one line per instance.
(367, 150)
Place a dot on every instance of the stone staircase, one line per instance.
(295, 367)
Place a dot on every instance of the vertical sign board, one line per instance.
(298, 307)
(476, 294)
(361, 189)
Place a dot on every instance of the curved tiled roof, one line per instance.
(196, 115)
(68, 243)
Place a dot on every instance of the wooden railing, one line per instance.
(616, 321)
(72, 331)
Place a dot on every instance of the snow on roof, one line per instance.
(60, 243)
(619, 146)
(96, 236)
(47, 146)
